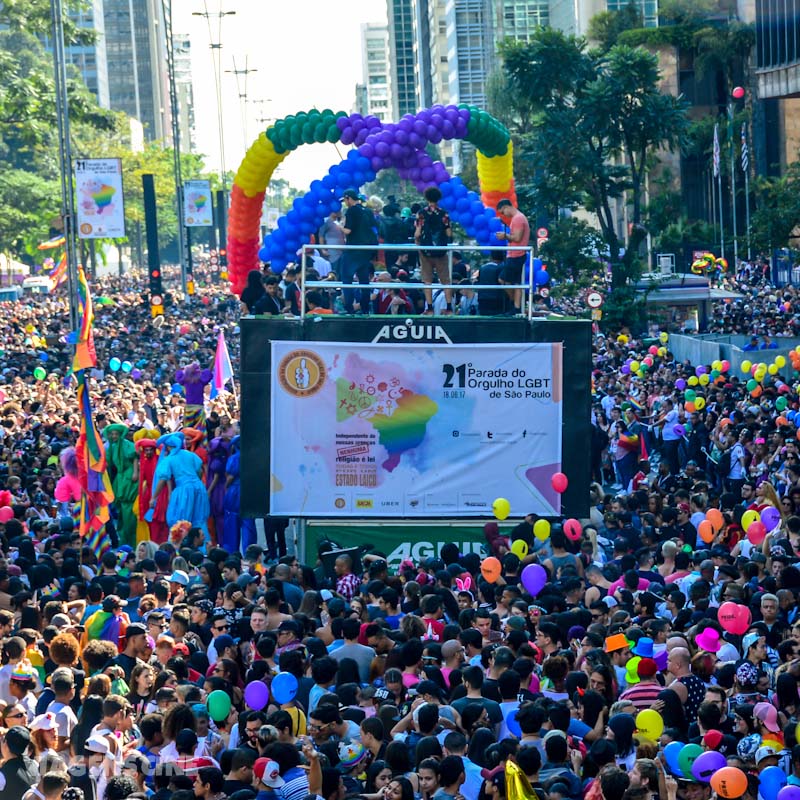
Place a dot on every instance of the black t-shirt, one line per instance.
(359, 221)
(292, 296)
(127, 663)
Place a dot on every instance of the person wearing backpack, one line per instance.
(358, 229)
(433, 230)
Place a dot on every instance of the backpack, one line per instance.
(435, 223)
(724, 463)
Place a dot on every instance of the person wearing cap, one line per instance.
(768, 724)
(21, 687)
(18, 771)
(44, 737)
(289, 632)
(62, 682)
(644, 693)
(359, 229)
(135, 646)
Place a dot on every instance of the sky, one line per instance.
(307, 54)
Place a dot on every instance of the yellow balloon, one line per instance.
(501, 508)
(635, 366)
(762, 365)
(772, 369)
(746, 366)
(519, 548)
(663, 337)
(700, 402)
(662, 351)
(650, 724)
(541, 529)
(693, 381)
(780, 361)
(623, 339)
(760, 374)
(704, 379)
(717, 365)
(749, 517)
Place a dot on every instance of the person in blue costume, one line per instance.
(233, 525)
(189, 497)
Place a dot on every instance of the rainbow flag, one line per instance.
(85, 356)
(56, 241)
(223, 369)
(59, 273)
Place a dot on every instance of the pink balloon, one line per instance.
(738, 93)
(734, 618)
(559, 482)
(572, 529)
(757, 532)
(6, 513)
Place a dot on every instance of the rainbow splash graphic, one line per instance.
(200, 201)
(103, 197)
(405, 428)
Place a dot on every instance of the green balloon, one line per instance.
(690, 395)
(781, 404)
(219, 705)
(751, 384)
(333, 133)
(686, 757)
(39, 374)
(714, 374)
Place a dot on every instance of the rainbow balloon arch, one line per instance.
(377, 146)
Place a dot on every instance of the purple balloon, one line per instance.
(256, 695)
(534, 577)
(789, 793)
(348, 136)
(706, 764)
(625, 369)
(401, 137)
(679, 430)
(771, 518)
(366, 150)
(701, 370)
(136, 374)
(680, 384)
(396, 151)
(416, 140)
(420, 127)
(448, 129)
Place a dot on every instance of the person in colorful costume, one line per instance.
(194, 441)
(124, 473)
(194, 381)
(234, 526)
(215, 479)
(188, 499)
(156, 529)
(68, 488)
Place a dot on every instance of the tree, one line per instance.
(775, 220)
(606, 27)
(571, 248)
(599, 117)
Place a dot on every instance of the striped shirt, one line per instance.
(643, 694)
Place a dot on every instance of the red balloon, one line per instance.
(734, 618)
(6, 513)
(559, 482)
(738, 93)
(573, 529)
(757, 532)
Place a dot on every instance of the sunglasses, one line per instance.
(222, 627)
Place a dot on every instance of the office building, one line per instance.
(403, 68)
(375, 71)
(183, 85)
(518, 19)
(573, 16)
(137, 63)
(91, 59)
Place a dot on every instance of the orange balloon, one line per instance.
(491, 569)
(757, 392)
(781, 421)
(714, 516)
(724, 421)
(689, 407)
(729, 782)
(706, 531)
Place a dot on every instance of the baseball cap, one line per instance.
(246, 579)
(684, 507)
(268, 772)
(44, 722)
(749, 641)
(768, 715)
(326, 595)
(18, 739)
(179, 576)
(206, 606)
(61, 621)
(289, 625)
(351, 193)
(186, 741)
(135, 629)
(223, 641)
(113, 601)
(765, 751)
(713, 739)
(350, 754)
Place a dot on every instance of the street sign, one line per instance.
(594, 299)
(542, 233)
(213, 261)
(544, 292)
(542, 240)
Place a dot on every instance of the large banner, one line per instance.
(101, 209)
(414, 430)
(197, 209)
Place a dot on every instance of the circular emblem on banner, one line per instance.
(340, 503)
(301, 373)
(86, 228)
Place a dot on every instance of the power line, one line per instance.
(241, 89)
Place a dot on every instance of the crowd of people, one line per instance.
(130, 672)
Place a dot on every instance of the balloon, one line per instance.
(541, 529)
(559, 482)
(733, 617)
(679, 430)
(706, 531)
(771, 780)
(780, 361)
(39, 374)
(690, 395)
(729, 782)
(256, 695)
(671, 753)
(714, 516)
(284, 687)
(700, 403)
(771, 518)
(791, 792)
(512, 724)
(650, 724)
(706, 764)
(751, 384)
(572, 530)
(781, 403)
(746, 366)
(749, 517)
(114, 364)
(44, 357)
(219, 705)
(687, 757)
(136, 374)
(634, 366)
(490, 569)
(738, 94)
(692, 380)
(127, 366)
(519, 548)
(534, 577)
(680, 384)
(6, 513)
(501, 508)
(756, 532)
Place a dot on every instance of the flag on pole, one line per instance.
(59, 273)
(223, 370)
(56, 241)
(83, 339)
(716, 151)
(745, 151)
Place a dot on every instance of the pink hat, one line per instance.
(708, 640)
(767, 714)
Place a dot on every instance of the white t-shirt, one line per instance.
(737, 470)
(66, 719)
(668, 431)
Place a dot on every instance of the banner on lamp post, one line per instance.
(101, 207)
(197, 207)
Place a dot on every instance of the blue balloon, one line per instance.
(127, 366)
(44, 357)
(537, 263)
(446, 189)
(671, 752)
(177, 388)
(541, 278)
(114, 364)
(263, 254)
(771, 781)
(284, 686)
(512, 724)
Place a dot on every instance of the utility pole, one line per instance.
(166, 7)
(65, 158)
(215, 43)
(241, 89)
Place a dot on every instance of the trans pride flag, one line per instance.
(223, 370)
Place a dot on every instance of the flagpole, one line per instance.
(733, 183)
(746, 170)
(718, 173)
(713, 203)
